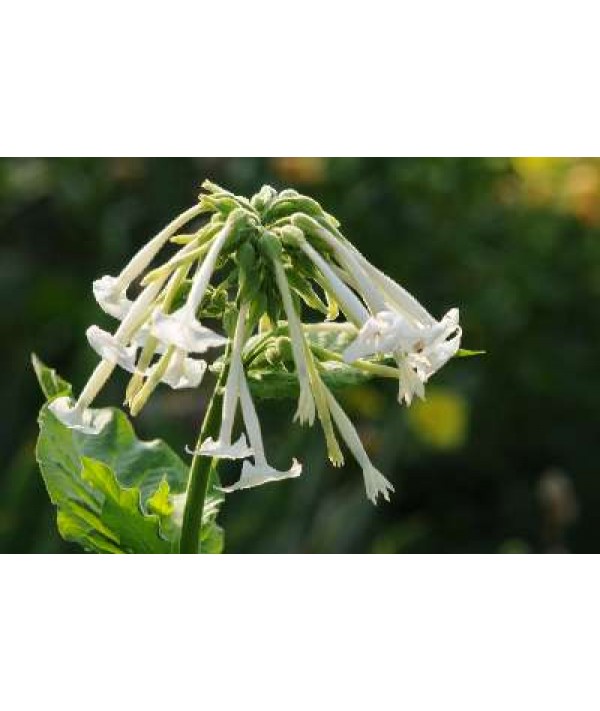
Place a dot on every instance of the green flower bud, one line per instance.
(270, 246)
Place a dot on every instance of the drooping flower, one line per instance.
(109, 348)
(259, 471)
(183, 372)
(420, 350)
(73, 414)
(181, 328)
(111, 292)
(347, 299)
(223, 447)
(306, 404)
(375, 483)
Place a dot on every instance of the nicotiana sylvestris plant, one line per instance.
(240, 284)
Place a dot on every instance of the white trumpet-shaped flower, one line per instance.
(110, 291)
(109, 349)
(259, 472)
(223, 447)
(305, 412)
(77, 418)
(347, 299)
(396, 297)
(74, 414)
(439, 348)
(375, 483)
(182, 372)
(181, 328)
(383, 333)
(111, 296)
(345, 256)
(420, 349)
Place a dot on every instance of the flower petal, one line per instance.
(183, 330)
(376, 485)
(111, 299)
(184, 372)
(76, 418)
(224, 450)
(253, 475)
(110, 349)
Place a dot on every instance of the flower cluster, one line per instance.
(254, 265)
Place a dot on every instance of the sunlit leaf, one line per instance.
(115, 493)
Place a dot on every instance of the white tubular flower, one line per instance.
(375, 483)
(111, 296)
(386, 332)
(75, 415)
(396, 296)
(344, 255)
(109, 349)
(306, 404)
(223, 447)
(439, 348)
(182, 372)
(260, 472)
(110, 291)
(181, 328)
(420, 350)
(347, 299)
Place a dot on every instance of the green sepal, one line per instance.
(464, 353)
(302, 286)
(288, 205)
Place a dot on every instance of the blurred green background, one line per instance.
(502, 455)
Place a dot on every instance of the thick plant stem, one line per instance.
(200, 469)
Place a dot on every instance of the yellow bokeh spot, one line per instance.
(441, 420)
(537, 166)
(364, 400)
(581, 192)
(300, 170)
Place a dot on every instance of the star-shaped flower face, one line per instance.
(441, 345)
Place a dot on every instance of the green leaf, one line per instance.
(115, 493)
(51, 383)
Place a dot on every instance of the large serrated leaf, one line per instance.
(115, 493)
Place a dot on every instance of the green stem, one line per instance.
(200, 469)
(385, 371)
